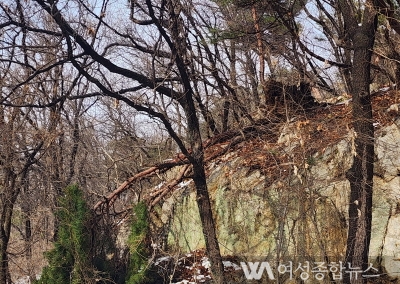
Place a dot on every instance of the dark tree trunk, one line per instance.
(360, 175)
(4, 238)
(8, 194)
(207, 220)
(7, 206)
(196, 157)
(199, 178)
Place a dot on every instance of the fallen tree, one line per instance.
(218, 142)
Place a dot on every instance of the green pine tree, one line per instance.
(138, 271)
(69, 260)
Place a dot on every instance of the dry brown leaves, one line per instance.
(318, 129)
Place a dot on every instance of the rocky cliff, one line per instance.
(288, 199)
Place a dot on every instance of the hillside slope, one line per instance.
(285, 196)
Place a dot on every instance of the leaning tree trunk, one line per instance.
(202, 196)
(179, 48)
(207, 221)
(360, 175)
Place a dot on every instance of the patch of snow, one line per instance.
(160, 185)
(23, 280)
(205, 262)
(231, 264)
(346, 102)
(201, 278)
(385, 89)
(184, 282)
(162, 259)
(183, 184)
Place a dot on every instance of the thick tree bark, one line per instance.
(199, 178)
(8, 193)
(360, 175)
(177, 43)
(208, 221)
(4, 240)
(8, 199)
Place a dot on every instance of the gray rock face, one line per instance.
(386, 209)
(300, 215)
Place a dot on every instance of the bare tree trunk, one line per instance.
(260, 45)
(199, 179)
(251, 73)
(196, 158)
(360, 175)
(7, 192)
(7, 206)
(3, 253)
(26, 208)
(208, 223)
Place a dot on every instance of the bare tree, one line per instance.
(22, 143)
(361, 35)
(164, 76)
(356, 28)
